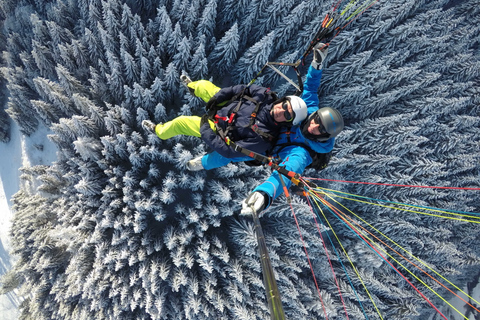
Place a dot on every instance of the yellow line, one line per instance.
(406, 205)
(361, 9)
(383, 250)
(345, 251)
(399, 246)
(348, 6)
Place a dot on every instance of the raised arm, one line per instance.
(310, 89)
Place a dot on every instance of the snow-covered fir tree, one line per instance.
(117, 228)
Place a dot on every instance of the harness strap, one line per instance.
(229, 119)
(292, 176)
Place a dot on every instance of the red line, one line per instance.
(309, 262)
(408, 260)
(395, 185)
(334, 209)
(328, 257)
(336, 5)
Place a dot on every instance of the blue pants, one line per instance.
(214, 160)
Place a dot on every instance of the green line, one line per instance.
(348, 6)
(362, 8)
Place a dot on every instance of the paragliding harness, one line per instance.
(212, 109)
(319, 160)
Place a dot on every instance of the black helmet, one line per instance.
(330, 121)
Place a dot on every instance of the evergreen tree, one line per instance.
(225, 53)
(5, 126)
(181, 58)
(232, 11)
(117, 228)
(207, 25)
(253, 59)
(199, 62)
(173, 40)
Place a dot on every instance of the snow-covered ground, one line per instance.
(19, 151)
(459, 304)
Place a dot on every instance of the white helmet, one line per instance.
(299, 107)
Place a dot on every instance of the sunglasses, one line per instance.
(323, 132)
(288, 116)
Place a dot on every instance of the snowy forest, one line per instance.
(117, 228)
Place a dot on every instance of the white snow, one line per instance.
(35, 150)
(459, 304)
(19, 151)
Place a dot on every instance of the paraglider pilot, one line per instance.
(294, 146)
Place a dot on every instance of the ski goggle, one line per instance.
(288, 116)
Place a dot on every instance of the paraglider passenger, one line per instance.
(251, 116)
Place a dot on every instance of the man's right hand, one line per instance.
(254, 202)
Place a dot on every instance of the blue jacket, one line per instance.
(290, 146)
(242, 133)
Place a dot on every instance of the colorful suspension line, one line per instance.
(321, 194)
(353, 16)
(465, 216)
(345, 217)
(330, 27)
(406, 259)
(315, 214)
(287, 194)
(315, 198)
(337, 215)
(331, 265)
(396, 185)
(330, 195)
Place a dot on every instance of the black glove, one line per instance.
(211, 104)
(204, 120)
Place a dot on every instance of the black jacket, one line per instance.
(241, 132)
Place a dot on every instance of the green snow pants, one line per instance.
(188, 125)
